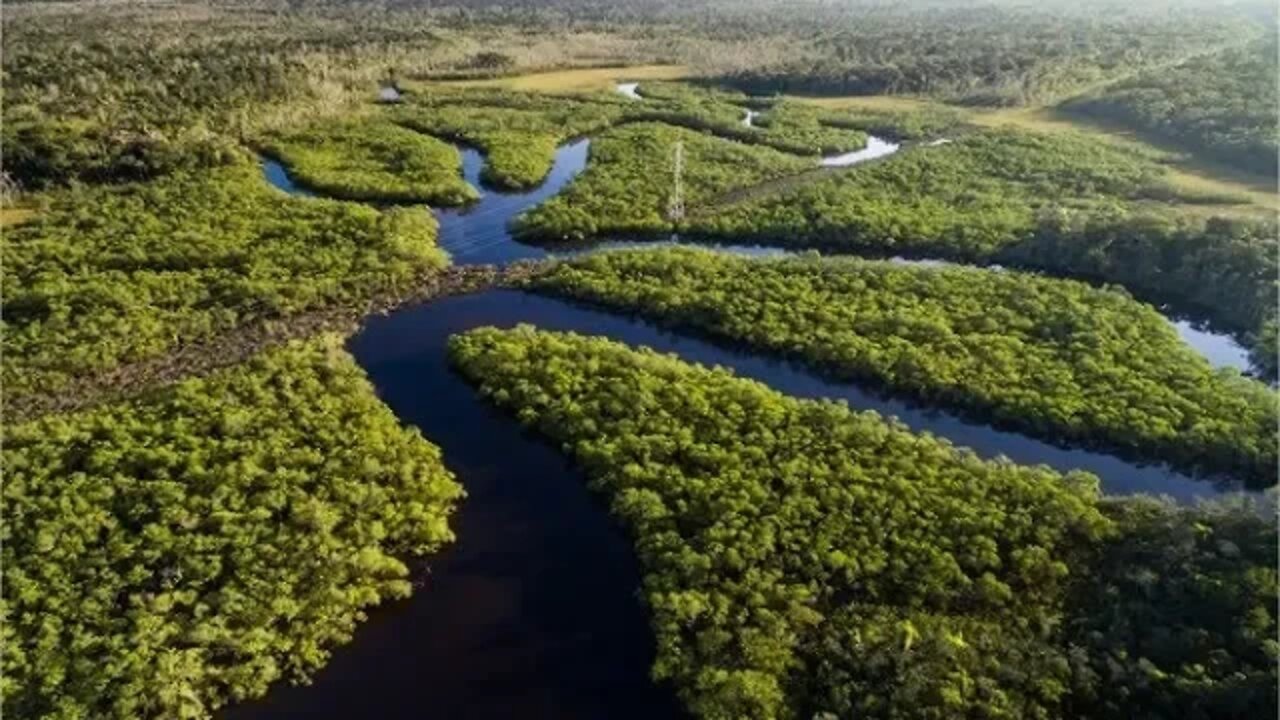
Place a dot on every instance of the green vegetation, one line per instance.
(1177, 613)
(518, 132)
(103, 92)
(1222, 106)
(1223, 270)
(1056, 358)
(782, 125)
(167, 555)
(185, 548)
(758, 519)
(913, 121)
(996, 54)
(968, 198)
(801, 559)
(373, 160)
(804, 126)
(111, 275)
(626, 186)
(1058, 202)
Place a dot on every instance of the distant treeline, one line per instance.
(118, 92)
(983, 56)
(1222, 106)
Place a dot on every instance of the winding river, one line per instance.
(533, 612)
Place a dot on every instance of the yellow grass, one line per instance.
(888, 103)
(579, 80)
(14, 215)
(1187, 173)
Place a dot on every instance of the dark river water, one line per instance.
(533, 611)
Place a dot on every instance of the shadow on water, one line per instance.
(416, 330)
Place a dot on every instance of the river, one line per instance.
(533, 611)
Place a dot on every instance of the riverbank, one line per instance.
(200, 358)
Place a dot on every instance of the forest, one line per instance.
(187, 538)
(1054, 202)
(625, 189)
(374, 161)
(1222, 269)
(973, 56)
(883, 573)
(969, 198)
(1055, 358)
(107, 92)
(518, 132)
(1221, 105)
(105, 276)
(169, 554)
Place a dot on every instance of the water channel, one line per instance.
(532, 612)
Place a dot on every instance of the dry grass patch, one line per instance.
(579, 80)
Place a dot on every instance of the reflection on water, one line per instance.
(876, 148)
(279, 177)
(1220, 349)
(534, 607)
(533, 612)
(629, 89)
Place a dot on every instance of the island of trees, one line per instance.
(1056, 358)
(805, 560)
(171, 553)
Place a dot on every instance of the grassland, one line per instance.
(578, 80)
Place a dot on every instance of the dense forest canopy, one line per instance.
(1060, 202)
(169, 554)
(626, 187)
(804, 560)
(972, 196)
(179, 547)
(1057, 358)
(1222, 105)
(373, 160)
(106, 276)
(121, 89)
(518, 132)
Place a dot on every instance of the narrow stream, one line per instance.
(533, 611)
(876, 148)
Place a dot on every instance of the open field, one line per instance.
(578, 80)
